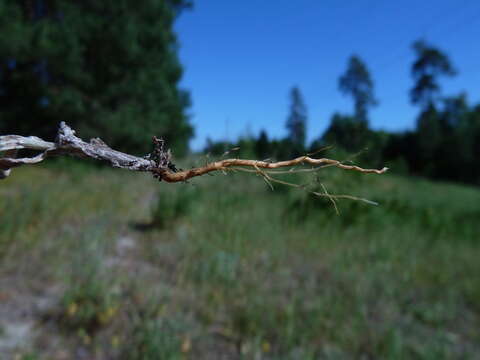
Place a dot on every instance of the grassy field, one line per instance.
(106, 264)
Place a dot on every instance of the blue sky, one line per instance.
(242, 57)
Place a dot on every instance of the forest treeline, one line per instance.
(111, 69)
(445, 143)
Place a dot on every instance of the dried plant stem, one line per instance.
(332, 197)
(223, 165)
(158, 163)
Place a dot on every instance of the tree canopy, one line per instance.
(297, 120)
(109, 68)
(357, 83)
(430, 63)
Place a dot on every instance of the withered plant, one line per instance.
(159, 162)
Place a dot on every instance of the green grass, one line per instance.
(229, 268)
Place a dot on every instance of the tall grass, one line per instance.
(231, 269)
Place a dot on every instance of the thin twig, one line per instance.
(330, 197)
(228, 163)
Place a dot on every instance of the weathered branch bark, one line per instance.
(158, 163)
(68, 144)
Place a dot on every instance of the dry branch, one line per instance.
(226, 164)
(158, 163)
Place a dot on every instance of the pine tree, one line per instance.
(262, 145)
(297, 121)
(349, 132)
(428, 66)
(109, 68)
(357, 83)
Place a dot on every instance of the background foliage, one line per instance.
(444, 144)
(122, 267)
(109, 68)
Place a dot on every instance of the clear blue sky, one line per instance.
(242, 57)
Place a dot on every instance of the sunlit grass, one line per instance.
(225, 265)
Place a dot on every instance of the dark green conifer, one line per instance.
(108, 68)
